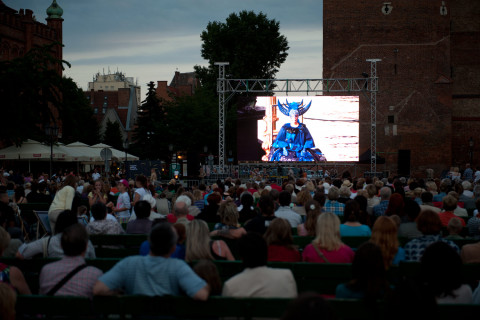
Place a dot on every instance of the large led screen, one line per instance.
(306, 128)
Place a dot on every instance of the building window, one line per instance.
(95, 110)
(104, 110)
(391, 119)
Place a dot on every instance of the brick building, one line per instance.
(20, 31)
(115, 98)
(428, 104)
(182, 84)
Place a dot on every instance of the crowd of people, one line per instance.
(189, 228)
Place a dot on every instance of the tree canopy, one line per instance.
(34, 94)
(250, 42)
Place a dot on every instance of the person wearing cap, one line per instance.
(122, 210)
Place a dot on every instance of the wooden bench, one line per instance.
(134, 307)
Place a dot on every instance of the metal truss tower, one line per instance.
(337, 85)
(373, 114)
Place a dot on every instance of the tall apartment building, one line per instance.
(115, 98)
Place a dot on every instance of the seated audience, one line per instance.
(409, 228)
(284, 211)
(228, 215)
(429, 224)
(246, 209)
(200, 246)
(156, 274)
(474, 222)
(441, 271)
(454, 229)
(369, 276)
(352, 226)
(180, 213)
(70, 276)
(142, 224)
(313, 210)
(327, 247)
(51, 246)
(11, 275)
(280, 242)
(449, 205)
(258, 280)
(102, 225)
(384, 235)
(207, 270)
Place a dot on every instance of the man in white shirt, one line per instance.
(285, 212)
(96, 175)
(258, 280)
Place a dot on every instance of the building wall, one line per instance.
(465, 38)
(19, 32)
(414, 101)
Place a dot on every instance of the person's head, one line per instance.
(427, 197)
(207, 270)
(246, 199)
(142, 209)
(4, 240)
(454, 226)
(431, 186)
(385, 236)
(293, 114)
(71, 181)
(252, 248)
(279, 232)
(180, 209)
(412, 209)
(368, 270)
(429, 223)
(122, 185)
(312, 209)
(228, 213)
(441, 269)
(328, 231)
(266, 205)
(289, 188)
(64, 220)
(184, 198)
(82, 210)
(99, 211)
(99, 185)
(351, 213)
(285, 198)
(333, 193)
(396, 205)
(345, 192)
(162, 239)
(214, 199)
(8, 299)
(198, 241)
(308, 306)
(197, 195)
(141, 181)
(303, 196)
(385, 193)
(181, 230)
(449, 203)
(74, 240)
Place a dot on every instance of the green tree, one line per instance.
(148, 139)
(34, 94)
(113, 135)
(250, 42)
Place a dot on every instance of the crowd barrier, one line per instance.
(135, 307)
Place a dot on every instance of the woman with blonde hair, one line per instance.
(228, 216)
(385, 235)
(280, 242)
(200, 246)
(313, 210)
(98, 193)
(327, 247)
(302, 198)
(63, 200)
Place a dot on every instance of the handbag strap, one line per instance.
(65, 279)
(320, 254)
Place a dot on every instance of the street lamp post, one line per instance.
(51, 131)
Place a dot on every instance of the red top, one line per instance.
(283, 254)
(172, 218)
(447, 215)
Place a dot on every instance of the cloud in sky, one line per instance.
(150, 39)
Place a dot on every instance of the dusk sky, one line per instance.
(151, 39)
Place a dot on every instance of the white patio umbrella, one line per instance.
(118, 154)
(83, 152)
(30, 150)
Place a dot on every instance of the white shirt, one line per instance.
(96, 176)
